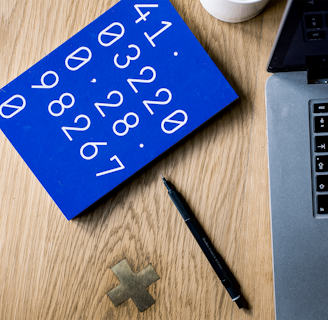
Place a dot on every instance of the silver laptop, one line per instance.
(297, 129)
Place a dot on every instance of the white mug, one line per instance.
(234, 10)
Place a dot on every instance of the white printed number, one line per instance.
(109, 105)
(66, 129)
(63, 106)
(148, 102)
(128, 58)
(7, 105)
(74, 56)
(94, 145)
(167, 24)
(43, 84)
(144, 15)
(126, 124)
(106, 34)
(178, 123)
(121, 167)
(131, 81)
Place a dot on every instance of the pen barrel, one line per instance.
(212, 256)
(179, 205)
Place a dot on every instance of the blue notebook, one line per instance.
(110, 100)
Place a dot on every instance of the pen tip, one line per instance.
(166, 184)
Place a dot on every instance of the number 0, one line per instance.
(7, 104)
(178, 123)
(105, 33)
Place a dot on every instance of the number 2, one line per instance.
(131, 81)
(66, 129)
(148, 102)
(110, 105)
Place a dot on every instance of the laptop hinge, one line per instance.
(317, 69)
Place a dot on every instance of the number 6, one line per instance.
(95, 147)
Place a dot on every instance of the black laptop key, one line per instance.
(315, 5)
(322, 183)
(316, 35)
(314, 21)
(320, 107)
(321, 144)
(321, 124)
(322, 204)
(321, 164)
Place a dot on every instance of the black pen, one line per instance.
(212, 256)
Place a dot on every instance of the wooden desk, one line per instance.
(54, 269)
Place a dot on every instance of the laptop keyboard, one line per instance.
(319, 154)
(316, 26)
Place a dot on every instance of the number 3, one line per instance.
(128, 58)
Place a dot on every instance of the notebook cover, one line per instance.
(110, 100)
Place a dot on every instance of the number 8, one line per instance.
(127, 125)
(61, 103)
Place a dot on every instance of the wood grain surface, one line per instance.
(54, 269)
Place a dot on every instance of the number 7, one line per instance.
(121, 167)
